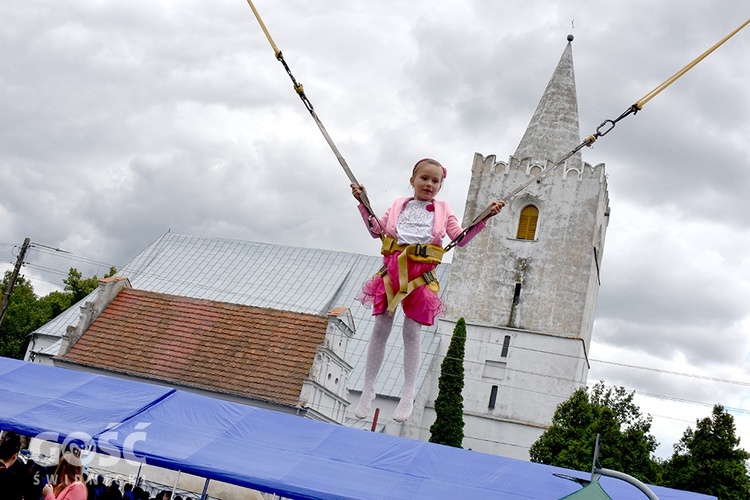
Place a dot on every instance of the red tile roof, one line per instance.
(337, 311)
(259, 353)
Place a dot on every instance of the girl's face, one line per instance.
(427, 181)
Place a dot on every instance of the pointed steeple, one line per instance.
(553, 130)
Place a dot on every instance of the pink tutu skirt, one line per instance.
(421, 305)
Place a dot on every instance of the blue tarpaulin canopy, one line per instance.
(291, 456)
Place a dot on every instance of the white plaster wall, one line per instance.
(492, 436)
(338, 334)
(556, 270)
(330, 374)
(539, 372)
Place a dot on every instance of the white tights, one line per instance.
(375, 353)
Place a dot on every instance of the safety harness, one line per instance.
(428, 254)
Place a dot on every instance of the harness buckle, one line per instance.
(431, 282)
(420, 250)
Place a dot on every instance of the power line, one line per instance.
(43, 249)
(589, 384)
(691, 401)
(615, 363)
(681, 374)
(45, 269)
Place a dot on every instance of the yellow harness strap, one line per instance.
(431, 254)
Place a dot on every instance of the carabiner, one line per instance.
(599, 132)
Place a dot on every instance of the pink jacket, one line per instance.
(445, 222)
(75, 491)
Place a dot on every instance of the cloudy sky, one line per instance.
(120, 121)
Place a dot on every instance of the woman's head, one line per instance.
(427, 179)
(68, 471)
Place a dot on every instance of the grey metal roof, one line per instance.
(305, 280)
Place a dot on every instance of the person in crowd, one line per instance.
(127, 492)
(98, 489)
(11, 482)
(112, 492)
(67, 481)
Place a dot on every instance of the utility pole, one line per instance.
(14, 277)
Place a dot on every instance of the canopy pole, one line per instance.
(138, 474)
(205, 489)
(375, 420)
(177, 480)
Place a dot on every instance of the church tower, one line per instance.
(528, 286)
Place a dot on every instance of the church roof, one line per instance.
(286, 278)
(252, 352)
(554, 130)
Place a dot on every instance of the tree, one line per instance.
(55, 303)
(21, 318)
(79, 286)
(448, 427)
(26, 312)
(709, 460)
(626, 443)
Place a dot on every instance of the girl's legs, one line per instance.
(412, 353)
(375, 354)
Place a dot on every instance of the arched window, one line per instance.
(527, 223)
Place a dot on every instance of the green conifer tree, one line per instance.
(448, 428)
(709, 459)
